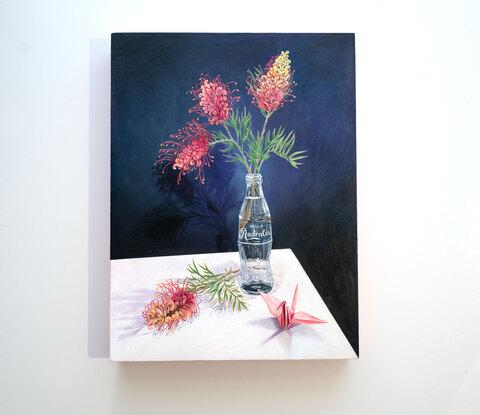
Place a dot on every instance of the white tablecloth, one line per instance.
(219, 335)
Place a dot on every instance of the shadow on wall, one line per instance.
(99, 200)
(222, 386)
(209, 209)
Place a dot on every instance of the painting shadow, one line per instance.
(99, 200)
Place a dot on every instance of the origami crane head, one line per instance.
(287, 315)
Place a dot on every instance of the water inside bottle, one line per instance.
(254, 246)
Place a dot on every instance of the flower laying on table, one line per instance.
(221, 289)
(173, 304)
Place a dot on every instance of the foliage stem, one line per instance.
(260, 140)
(241, 152)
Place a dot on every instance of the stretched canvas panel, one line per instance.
(178, 100)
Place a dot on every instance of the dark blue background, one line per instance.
(313, 208)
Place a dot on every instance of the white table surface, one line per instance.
(219, 335)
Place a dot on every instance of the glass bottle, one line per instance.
(255, 239)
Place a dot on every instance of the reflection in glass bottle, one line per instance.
(255, 239)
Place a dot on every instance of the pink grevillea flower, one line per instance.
(174, 303)
(215, 99)
(188, 152)
(271, 86)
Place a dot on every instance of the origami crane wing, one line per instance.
(273, 304)
(286, 315)
(304, 318)
(277, 309)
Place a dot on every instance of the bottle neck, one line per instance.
(254, 185)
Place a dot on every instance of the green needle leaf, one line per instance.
(220, 288)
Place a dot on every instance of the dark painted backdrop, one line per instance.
(313, 208)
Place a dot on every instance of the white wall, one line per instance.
(419, 215)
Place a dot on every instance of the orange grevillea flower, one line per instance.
(188, 152)
(215, 99)
(270, 87)
(173, 304)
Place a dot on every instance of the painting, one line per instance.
(233, 196)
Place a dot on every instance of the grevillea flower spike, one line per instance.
(272, 86)
(174, 303)
(215, 99)
(287, 315)
(190, 151)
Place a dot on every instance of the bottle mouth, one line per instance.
(256, 178)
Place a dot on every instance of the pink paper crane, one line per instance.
(287, 315)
